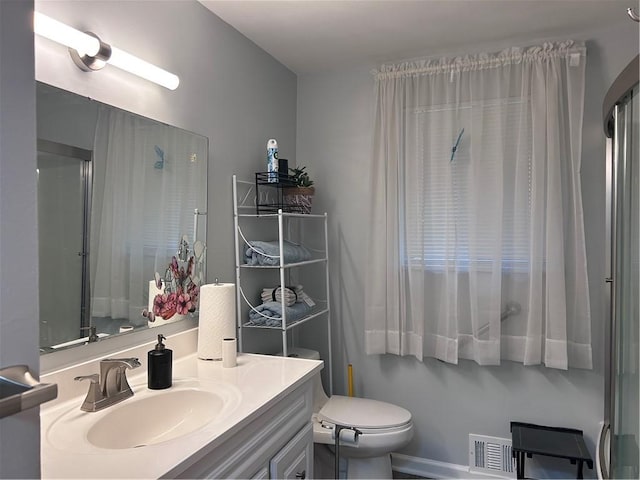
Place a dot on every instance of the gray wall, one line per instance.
(449, 402)
(19, 434)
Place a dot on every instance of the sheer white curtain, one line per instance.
(477, 242)
(148, 179)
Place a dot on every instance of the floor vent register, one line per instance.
(491, 455)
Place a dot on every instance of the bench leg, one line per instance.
(520, 464)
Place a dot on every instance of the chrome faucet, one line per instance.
(111, 386)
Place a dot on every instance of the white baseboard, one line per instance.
(424, 467)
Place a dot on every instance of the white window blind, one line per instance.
(474, 208)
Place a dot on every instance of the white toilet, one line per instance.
(385, 427)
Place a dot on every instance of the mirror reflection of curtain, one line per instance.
(139, 167)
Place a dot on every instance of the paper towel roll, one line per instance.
(229, 349)
(217, 319)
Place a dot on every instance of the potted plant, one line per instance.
(299, 197)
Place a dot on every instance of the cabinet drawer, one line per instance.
(295, 460)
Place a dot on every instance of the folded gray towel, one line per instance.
(268, 253)
(273, 310)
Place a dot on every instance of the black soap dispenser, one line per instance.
(159, 366)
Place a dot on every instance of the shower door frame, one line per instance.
(618, 93)
(86, 168)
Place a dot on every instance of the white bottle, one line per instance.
(272, 160)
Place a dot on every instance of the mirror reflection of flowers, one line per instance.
(181, 286)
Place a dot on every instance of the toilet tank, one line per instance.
(319, 395)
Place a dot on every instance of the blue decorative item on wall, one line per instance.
(160, 162)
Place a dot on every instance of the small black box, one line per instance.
(283, 169)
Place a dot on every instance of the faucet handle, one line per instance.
(94, 395)
(93, 336)
(94, 377)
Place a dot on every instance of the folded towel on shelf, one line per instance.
(268, 253)
(291, 295)
(272, 314)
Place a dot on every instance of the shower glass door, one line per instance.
(625, 421)
(64, 182)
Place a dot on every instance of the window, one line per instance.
(471, 206)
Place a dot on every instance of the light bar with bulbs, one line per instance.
(90, 53)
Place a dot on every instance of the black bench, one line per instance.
(556, 442)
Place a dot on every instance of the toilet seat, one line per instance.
(384, 427)
(364, 414)
(367, 431)
(371, 443)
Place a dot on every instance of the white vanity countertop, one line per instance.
(259, 381)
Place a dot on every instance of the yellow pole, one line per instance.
(350, 379)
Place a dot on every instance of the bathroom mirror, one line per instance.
(118, 196)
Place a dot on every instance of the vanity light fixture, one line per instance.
(89, 53)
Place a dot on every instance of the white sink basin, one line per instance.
(148, 418)
(155, 419)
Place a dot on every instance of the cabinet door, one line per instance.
(295, 460)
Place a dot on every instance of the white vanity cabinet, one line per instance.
(262, 430)
(276, 443)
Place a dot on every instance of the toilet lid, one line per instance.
(363, 413)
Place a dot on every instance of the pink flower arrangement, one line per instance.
(180, 292)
